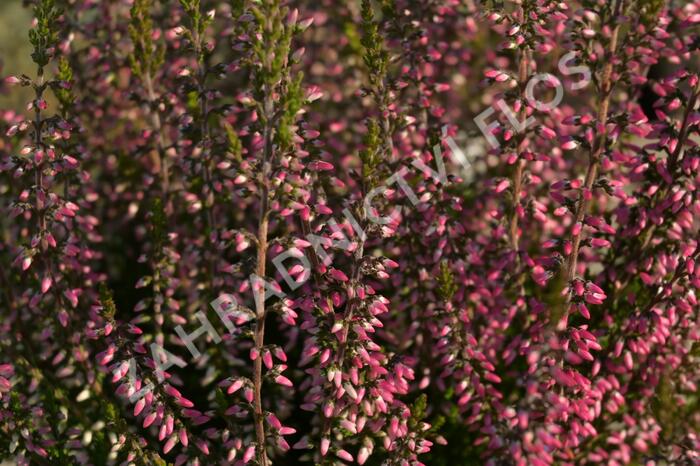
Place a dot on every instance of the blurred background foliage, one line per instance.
(15, 51)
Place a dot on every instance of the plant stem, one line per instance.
(260, 312)
(523, 72)
(598, 147)
(38, 178)
(162, 158)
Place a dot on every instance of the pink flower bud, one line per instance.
(325, 444)
(169, 444)
(46, 284)
(284, 381)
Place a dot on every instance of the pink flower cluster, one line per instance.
(391, 232)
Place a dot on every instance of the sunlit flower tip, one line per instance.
(26, 263)
(594, 298)
(569, 144)
(314, 94)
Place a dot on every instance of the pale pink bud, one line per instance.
(138, 407)
(249, 453)
(26, 262)
(362, 455)
(338, 275)
(202, 445)
(325, 444)
(344, 455)
(183, 437)
(282, 380)
(46, 284)
(150, 419)
(569, 144)
(267, 359)
(235, 386)
(169, 444)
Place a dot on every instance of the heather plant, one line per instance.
(375, 232)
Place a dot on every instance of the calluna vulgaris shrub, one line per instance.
(394, 232)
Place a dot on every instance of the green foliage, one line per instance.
(370, 154)
(376, 58)
(418, 411)
(237, 8)
(100, 446)
(389, 9)
(159, 222)
(460, 449)
(674, 416)
(234, 145)
(15, 51)
(109, 309)
(292, 102)
(63, 93)
(271, 62)
(273, 48)
(147, 56)
(15, 405)
(352, 35)
(198, 22)
(44, 36)
(446, 283)
(649, 11)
